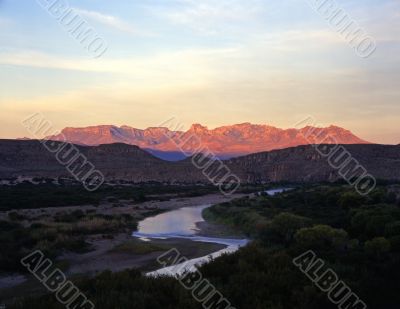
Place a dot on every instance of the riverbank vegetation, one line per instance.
(65, 232)
(358, 237)
(29, 195)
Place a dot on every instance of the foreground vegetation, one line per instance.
(358, 237)
(64, 232)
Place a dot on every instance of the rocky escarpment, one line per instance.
(127, 162)
(115, 161)
(306, 164)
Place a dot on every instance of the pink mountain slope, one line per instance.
(225, 141)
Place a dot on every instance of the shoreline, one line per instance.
(104, 255)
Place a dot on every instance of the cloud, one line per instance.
(258, 54)
(166, 68)
(307, 39)
(208, 16)
(108, 20)
(221, 10)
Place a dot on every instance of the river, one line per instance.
(182, 223)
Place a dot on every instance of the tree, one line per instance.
(283, 227)
(377, 247)
(351, 200)
(321, 237)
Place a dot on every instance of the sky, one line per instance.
(201, 61)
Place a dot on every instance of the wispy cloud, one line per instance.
(109, 20)
(208, 16)
(179, 67)
(221, 10)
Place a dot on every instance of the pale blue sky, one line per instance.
(212, 62)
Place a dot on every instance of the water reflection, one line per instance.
(181, 223)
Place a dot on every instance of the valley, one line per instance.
(357, 236)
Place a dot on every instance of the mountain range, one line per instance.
(126, 162)
(224, 142)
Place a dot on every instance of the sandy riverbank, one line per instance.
(104, 258)
(125, 207)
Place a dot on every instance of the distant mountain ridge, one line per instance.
(226, 141)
